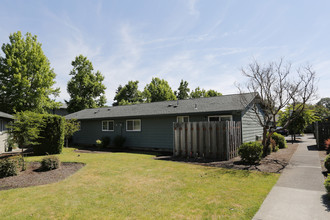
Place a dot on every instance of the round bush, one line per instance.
(50, 163)
(105, 141)
(250, 152)
(119, 141)
(327, 162)
(327, 184)
(8, 167)
(279, 139)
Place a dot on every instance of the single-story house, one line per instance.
(62, 110)
(150, 125)
(4, 119)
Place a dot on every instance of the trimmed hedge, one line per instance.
(50, 163)
(52, 135)
(327, 162)
(119, 141)
(251, 152)
(279, 139)
(327, 184)
(11, 166)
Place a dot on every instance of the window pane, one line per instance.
(110, 125)
(129, 125)
(137, 125)
(104, 125)
(227, 118)
(185, 119)
(215, 118)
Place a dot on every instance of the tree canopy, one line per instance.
(85, 88)
(300, 120)
(199, 93)
(26, 78)
(129, 94)
(158, 90)
(325, 102)
(183, 90)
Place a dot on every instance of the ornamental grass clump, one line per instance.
(250, 152)
(50, 163)
(327, 185)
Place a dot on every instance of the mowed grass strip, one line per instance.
(134, 186)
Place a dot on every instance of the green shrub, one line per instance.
(327, 184)
(8, 167)
(119, 141)
(250, 152)
(50, 163)
(51, 136)
(279, 139)
(327, 162)
(105, 141)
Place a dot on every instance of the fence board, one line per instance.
(212, 140)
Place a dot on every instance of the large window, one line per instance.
(221, 118)
(133, 125)
(182, 119)
(107, 125)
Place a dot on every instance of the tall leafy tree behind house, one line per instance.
(183, 90)
(199, 93)
(26, 78)
(128, 94)
(86, 87)
(158, 90)
(300, 120)
(325, 102)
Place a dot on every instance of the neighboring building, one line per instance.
(62, 110)
(150, 125)
(4, 119)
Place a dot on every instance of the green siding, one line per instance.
(156, 133)
(250, 125)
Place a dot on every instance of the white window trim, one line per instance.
(133, 125)
(220, 116)
(108, 129)
(177, 117)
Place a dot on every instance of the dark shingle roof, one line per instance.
(5, 115)
(223, 103)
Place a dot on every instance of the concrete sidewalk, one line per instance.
(299, 193)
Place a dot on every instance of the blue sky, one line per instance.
(203, 42)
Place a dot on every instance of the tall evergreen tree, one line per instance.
(183, 90)
(85, 88)
(26, 78)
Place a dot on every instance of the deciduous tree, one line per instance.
(26, 78)
(278, 86)
(85, 88)
(158, 90)
(128, 94)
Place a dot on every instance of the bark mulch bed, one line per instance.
(273, 163)
(33, 176)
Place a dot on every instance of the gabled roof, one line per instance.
(225, 103)
(5, 115)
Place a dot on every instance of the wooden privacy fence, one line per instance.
(322, 133)
(210, 140)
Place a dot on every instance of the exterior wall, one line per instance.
(61, 112)
(156, 133)
(3, 135)
(250, 125)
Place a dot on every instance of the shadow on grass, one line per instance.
(89, 149)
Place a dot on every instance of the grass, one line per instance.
(134, 186)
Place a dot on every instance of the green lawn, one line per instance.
(134, 186)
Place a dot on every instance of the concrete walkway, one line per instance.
(299, 193)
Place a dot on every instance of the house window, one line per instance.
(182, 119)
(107, 125)
(221, 118)
(133, 125)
